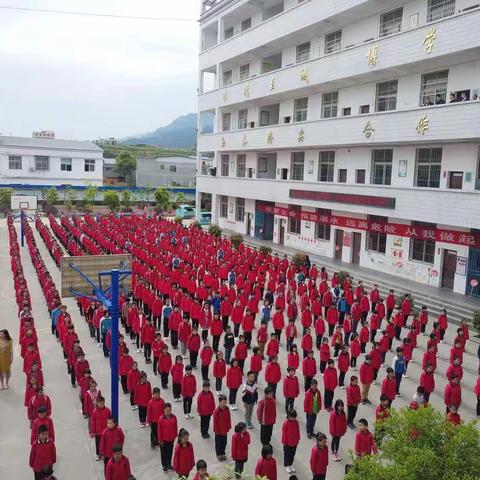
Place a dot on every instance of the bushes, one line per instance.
(215, 230)
(178, 220)
(236, 239)
(476, 320)
(299, 259)
(265, 250)
(112, 200)
(196, 224)
(343, 274)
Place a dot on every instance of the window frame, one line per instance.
(425, 247)
(89, 165)
(331, 44)
(323, 231)
(241, 163)
(357, 177)
(297, 166)
(326, 162)
(223, 204)
(294, 224)
(16, 161)
(385, 32)
(242, 123)
(302, 52)
(386, 98)
(433, 85)
(300, 112)
(225, 160)
(383, 164)
(173, 168)
(239, 209)
(442, 6)
(65, 163)
(244, 22)
(330, 104)
(227, 36)
(227, 82)
(242, 76)
(226, 125)
(342, 175)
(432, 179)
(42, 163)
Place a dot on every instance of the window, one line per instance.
(240, 210)
(360, 175)
(326, 166)
(377, 241)
(433, 90)
(223, 206)
(382, 167)
(303, 52)
(42, 163)
(438, 9)
(297, 166)
(227, 77)
(226, 118)
(386, 98)
(364, 109)
(294, 223)
(391, 22)
(89, 165)
(242, 119)
(225, 165)
(300, 107)
(66, 164)
(342, 175)
(428, 165)
(244, 71)
(422, 244)
(347, 111)
(329, 104)
(173, 168)
(14, 162)
(246, 24)
(322, 230)
(228, 33)
(241, 165)
(333, 42)
(162, 166)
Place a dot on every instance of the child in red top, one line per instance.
(219, 371)
(154, 412)
(319, 457)
(364, 442)
(273, 374)
(183, 457)
(290, 440)
(324, 354)
(143, 395)
(240, 443)
(338, 427)
(293, 359)
(177, 376)
(206, 356)
(309, 369)
(42, 453)
(118, 467)
(291, 389)
(267, 465)
(234, 380)
(188, 389)
(353, 400)
(330, 382)
(133, 379)
(202, 473)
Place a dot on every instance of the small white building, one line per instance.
(49, 161)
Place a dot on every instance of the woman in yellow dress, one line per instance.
(6, 358)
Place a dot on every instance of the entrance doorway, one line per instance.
(281, 232)
(249, 223)
(356, 246)
(338, 244)
(473, 273)
(449, 267)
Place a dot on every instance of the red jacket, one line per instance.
(222, 422)
(256, 363)
(125, 364)
(343, 362)
(267, 411)
(273, 373)
(324, 352)
(36, 402)
(338, 424)
(206, 355)
(167, 428)
(389, 388)
(38, 423)
(177, 372)
(293, 360)
(266, 467)
(118, 470)
(148, 334)
(366, 374)
(427, 381)
(183, 459)
(133, 379)
(111, 437)
(234, 377)
(98, 420)
(241, 351)
(353, 395)
(290, 432)
(240, 443)
(143, 394)
(189, 386)
(330, 378)
(309, 367)
(453, 395)
(219, 369)
(165, 363)
(319, 460)
(291, 388)
(364, 443)
(308, 401)
(42, 454)
(355, 348)
(155, 410)
(205, 403)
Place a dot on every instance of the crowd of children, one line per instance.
(197, 295)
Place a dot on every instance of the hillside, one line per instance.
(142, 151)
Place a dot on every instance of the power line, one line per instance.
(102, 15)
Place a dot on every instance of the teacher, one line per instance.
(6, 358)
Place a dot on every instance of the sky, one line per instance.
(90, 77)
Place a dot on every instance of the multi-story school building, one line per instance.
(346, 128)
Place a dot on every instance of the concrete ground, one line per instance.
(76, 456)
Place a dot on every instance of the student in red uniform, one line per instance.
(42, 419)
(118, 467)
(241, 352)
(330, 382)
(389, 385)
(164, 366)
(177, 377)
(273, 374)
(222, 424)
(293, 358)
(148, 336)
(125, 364)
(324, 354)
(37, 401)
(364, 441)
(291, 389)
(256, 362)
(183, 458)
(98, 423)
(453, 393)
(309, 369)
(366, 378)
(157, 348)
(42, 453)
(312, 404)
(143, 395)
(266, 416)
(133, 379)
(205, 408)
(206, 356)
(167, 433)
(476, 391)
(189, 389)
(453, 417)
(234, 380)
(338, 427)
(240, 443)
(319, 457)
(154, 412)
(343, 365)
(111, 436)
(354, 398)
(267, 465)
(290, 440)
(202, 473)
(219, 371)
(90, 399)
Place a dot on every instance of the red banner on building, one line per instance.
(397, 229)
(352, 199)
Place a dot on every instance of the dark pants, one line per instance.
(288, 455)
(153, 434)
(353, 362)
(331, 329)
(174, 339)
(155, 365)
(204, 424)
(123, 381)
(177, 389)
(164, 379)
(216, 342)
(132, 398)
(236, 329)
(289, 404)
(239, 468)
(147, 349)
(166, 451)
(351, 412)
(248, 338)
(228, 354)
(478, 406)
(232, 396)
(389, 313)
(323, 364)
(398, 331)
(328, 399)
(187, 405)
(341, 379)
(218, 384)
(193, 359)
(318, 477)
(398, 380)
(204, 372)
(335, 444)
(266, 434)
(426, 397)
(220, 445)
(308, 382)
(142, 414)
(311, 420)
(166, 331)
(97, 444)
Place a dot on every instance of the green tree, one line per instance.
(111, 199)
(5, 198)
(52, 196)
(420, 444)
(91, 194)
(127, 198)
(69, 199)
(125, 166)
(162, 197)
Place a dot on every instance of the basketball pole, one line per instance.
(115, 281)
(22, 218)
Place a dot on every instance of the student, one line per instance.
(240, 443)
(205, 408)
(273, 374)
(366, 378)
(241, 352)
(418, 399)
(111, 436)
(312, 404)
(256, 362)
(290, 440)
(125, 364)
(154, 412)
(309, 369)
(307, 343)
(206, 356)
(476, 391)
(267, 416)
(143, 395)
(219, 371)
(267, 465)
(324, 354)
(399, 368)
(90, 399)
(37, 401)
(164, 366)
(262, 337)
(222, 424)
(353, 400)
(202, 473)
(118, 468)
(228, 343)
(453, 393)
(42, 453)
(338, 427)
(133, 379)
(234, 380)
(343, 365)
(167, 433)
(98, 423)
(364, 441)
(319, 457)
(453, 417)
(354, 351)
(177, 377)
(183, 458)
(389, 385)
(293, 358)
(249, 397)
(188, 389)
(42, 419)
(330, 381)
(148, 336)
(291, 389)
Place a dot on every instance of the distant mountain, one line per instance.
(181, 133)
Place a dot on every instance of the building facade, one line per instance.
(166, 171)
(43, 160)
(349, 128)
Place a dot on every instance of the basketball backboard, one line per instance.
(27, 203)
(91, 266)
